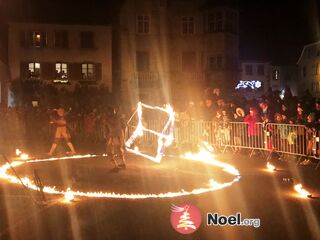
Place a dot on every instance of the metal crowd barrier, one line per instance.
(286, 139)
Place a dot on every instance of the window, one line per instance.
(87, 40)
(218, 21)
(219, 62)
(37, 39)
(260, 70)
(88, 71)
(215, 62)
(188, 25)
(61, 71)
(188, 61)
(231, 22)
(248, 69)
(142, 61)
(212, 64)
(275, 74)
(211, 23)
(61, 39)
(314, 69)
(143, 24)
(33, 71)
(215, 22)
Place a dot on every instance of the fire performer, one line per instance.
(115, 139)
(61, 131)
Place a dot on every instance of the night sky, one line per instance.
(270, 30)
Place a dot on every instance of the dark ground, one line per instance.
(258, 194)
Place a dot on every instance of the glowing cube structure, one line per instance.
(164, 138)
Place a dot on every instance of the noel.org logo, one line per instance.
(185, 218)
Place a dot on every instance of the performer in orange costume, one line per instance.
(61, 132)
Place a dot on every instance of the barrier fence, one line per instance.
(290, 139)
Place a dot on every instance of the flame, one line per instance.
(24, 156)
(270, 167)
(302, 192)
(65, 158)
(18, 152)
(69, 196)
(164, 139)
(208, 158)
(203, 156)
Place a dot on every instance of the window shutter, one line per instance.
(43, 39)
(98, 72)
(48, 71)
(23, 71)
(75, 71)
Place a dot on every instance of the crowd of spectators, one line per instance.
(28, 126)
(269, 108)
(281, 110)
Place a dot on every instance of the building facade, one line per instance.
(309, 69)
(257, 77)
(169, 51)
(4, 71)
(62, 55)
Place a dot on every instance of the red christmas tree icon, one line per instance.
(184, 221)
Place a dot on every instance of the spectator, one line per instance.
(252, 119)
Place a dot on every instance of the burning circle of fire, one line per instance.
(204, 155)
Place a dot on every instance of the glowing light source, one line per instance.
(270, 167)
(68, 196)
(165, 138)
(302, 192)
(254, 84)
(24, 156)
(203, 156)
(18, 152)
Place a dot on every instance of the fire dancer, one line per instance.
(61, 131)
(115, 140)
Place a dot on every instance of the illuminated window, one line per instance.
(87, 39)
(88, 71)
(38, 39)
(61, 71)
(188, 25)
(275, 74)
(33, 70)
(143, 24)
